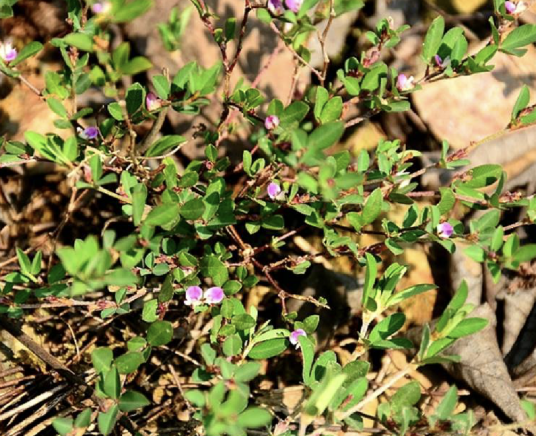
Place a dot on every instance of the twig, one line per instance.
(155, 130)
(375, 394)
(295, 53)
(35, 348)
(322, 40)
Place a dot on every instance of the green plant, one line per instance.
(189, 242)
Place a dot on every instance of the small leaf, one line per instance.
(28, 51)
(254, 417)
(268, 348)
(81, 41)
(112, 383)
(519, 37)
(448, 404)
(106, 420)
(193, 209)
(432, 40)
(162, 215)
(521, 102)
(132, 400)
(160, 333)
(467, 327)
(164, 145)
(102, 359)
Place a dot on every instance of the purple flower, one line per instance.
(510, 7)
(445, 230)
(90, 133)
(295, 335)
(273, 190)
(101, 7)
(442, 63)
(294, 5)
(7, 52)
(193, 296)
(275, 7)
(515, 8)
(405, 83)
(271, 122)
(152, 102)
(214, 295)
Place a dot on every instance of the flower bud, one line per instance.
(271, 122)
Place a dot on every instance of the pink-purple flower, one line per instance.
(515, 8)
(294, 5)
(90, 133)
(271, 122)
(445, 230)
(101, 7)
(405, 83)
(295, 335)
(214, 295)
(273, 190)
(7, 52)
(442, 63)
(276, 7)
(194, 295)
(152, 102)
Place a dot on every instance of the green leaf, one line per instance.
(322, 96)
(326, 135)
(247, 372)
(139, 197)
(467, 327)
(106, 420)
(134, 98)
(308, 352)
(373, 207)
(409, 292)
(112, 383)
(164, 145)
(447, 405)
(160, 333)
(268, 348)
(149, 311)
(332, 110)
(81, 41)
(214, 268)
(24, 262)
(407, 395)
(129, 362)
(136, 65)
(447, 200)
(28, 51)
(162, 215)
(387, 327)
(129, 11)
(232, 345)
(525, 253)
(432, 40)
(476, 253)
(521, 103)
(83, 420)
(294, 113)
(254, 417)
(193, 209)
(519, 37)
(162, 86)
(370, 276)
(132, 400)
(243, 321)
(63, 425)
(102, 359)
